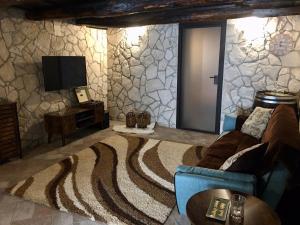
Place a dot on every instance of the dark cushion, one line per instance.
(240, 120)
(225, 147)
(282, 134)
(250, 161)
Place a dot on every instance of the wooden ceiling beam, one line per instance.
(186, 17)
(121, 13)
(113, 8)
(7, 3)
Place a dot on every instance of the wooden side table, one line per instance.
(67, 121)
(255, 211)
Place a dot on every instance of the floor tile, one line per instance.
(24, 210)
(42, 211)
(62, 219)
(34, 221)
(7, 210)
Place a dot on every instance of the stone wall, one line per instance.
(22, 45)
(249, 64)
(142, 71)
(137, 67)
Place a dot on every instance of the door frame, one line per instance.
(222, 25)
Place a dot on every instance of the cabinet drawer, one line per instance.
(9, 150)
(5, 115)
(7, 123)
(7, 107)
(68, 124)
(8, 142)
(7, 155)
(9, 147)
(7, 129)
(7, 136)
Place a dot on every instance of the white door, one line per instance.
(199, 77)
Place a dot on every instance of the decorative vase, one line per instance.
(148, 115)
(143, 119)
(130, 119)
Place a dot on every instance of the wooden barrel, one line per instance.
(270, 99)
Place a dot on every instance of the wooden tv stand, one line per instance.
(68, 121)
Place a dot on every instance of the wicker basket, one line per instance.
(130, 119)
(143, 119)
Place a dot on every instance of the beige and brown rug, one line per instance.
(119, 180)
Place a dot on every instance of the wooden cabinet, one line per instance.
(10, 144)
(68, 121)
(98, 108)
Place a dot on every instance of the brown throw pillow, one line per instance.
(248, 160)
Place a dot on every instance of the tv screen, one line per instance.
(63, 72)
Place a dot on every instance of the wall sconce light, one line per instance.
(252, 27)
(134, 34)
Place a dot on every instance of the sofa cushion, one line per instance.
(229, 123)
(257, 122)
(246, 161)
(225, 147)
(240, 120)
(282, 134)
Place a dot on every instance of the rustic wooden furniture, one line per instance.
(106, 120)
(255, 211)
(68, 121)
(10, 143)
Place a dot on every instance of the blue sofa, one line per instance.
(191, 180)
(269, 187)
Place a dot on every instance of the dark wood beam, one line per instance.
(190, 16)
(7, 3)
(113, 8)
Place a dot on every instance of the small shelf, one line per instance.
(92, 117)
(85, 123)
(70, 120)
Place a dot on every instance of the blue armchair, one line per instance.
(191, 180)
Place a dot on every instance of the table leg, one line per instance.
(63, 140)
(49, 137)
(20, 153)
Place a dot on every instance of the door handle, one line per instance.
(215, 77)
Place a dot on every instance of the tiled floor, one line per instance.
(15, 211)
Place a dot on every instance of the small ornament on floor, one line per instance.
(143, 119)
(130, 119)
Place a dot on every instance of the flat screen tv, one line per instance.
(63, 72)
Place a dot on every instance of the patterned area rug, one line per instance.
(119, 180)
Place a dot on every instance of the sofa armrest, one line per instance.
(216, 173)
(191, 180)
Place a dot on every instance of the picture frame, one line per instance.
(82, 94)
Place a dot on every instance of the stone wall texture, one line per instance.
(22, 45)
(249, 64)
(136, 68)
(142, 72)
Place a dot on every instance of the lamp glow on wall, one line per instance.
(253, 27)
(134, 34)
